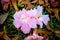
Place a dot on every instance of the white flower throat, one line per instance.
(24, 18)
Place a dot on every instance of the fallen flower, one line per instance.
(43, 18)
(29, 19)
(37, 13)
(53, 3)
(5, 4)
(23, 20)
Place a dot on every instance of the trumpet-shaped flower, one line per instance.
(27, 19)
(23, 20)
(37, 13)
(42, 18)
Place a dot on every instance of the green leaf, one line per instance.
(20, 5)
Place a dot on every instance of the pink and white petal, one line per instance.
(45, 19)
(40, 9)
(25, 28)
(17, 15)
(30, 13)
(33, 12)
(35, 35)
(32, 23)
(28, 38)
(25, 12)
(17, 24)
(40, 38)
(40, 22)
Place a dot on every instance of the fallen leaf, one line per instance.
(3, 18)
(15, 38)
(10, 6)
(47, 5)
(38, 1)
(57, 32)
(41, 2)
(3, 34)
(14, 3)
(56, 12)
(48, 9)
(27, 4)
(34, 1)
(49, 28)
(19, 1)
(41, 33)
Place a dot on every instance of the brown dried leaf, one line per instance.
(38, 1)
(49, 28)
(41, 32)
(19, 1)
(35, 1)
(15, 38)
(14, 3)
(56, 14)
(47, 5)
(1, 34)
(57, 32)
(48, 9)
(41, 2)
(4, 35)
(27, 4)
(10, 6)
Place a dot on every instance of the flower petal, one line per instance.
(28, 38)
(32, 23)
(45, 19)
(17, 15)
(25, 28)
(32, 12)
(40, 38)
(39, 10)
(17, 23)
(40, 22)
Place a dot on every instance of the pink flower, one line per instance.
(27, 19)
(33, 37)
(42, 18)
(5, 4)
(53, 3)
(37, 13)
(23, 20)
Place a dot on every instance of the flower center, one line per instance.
(23, 18)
